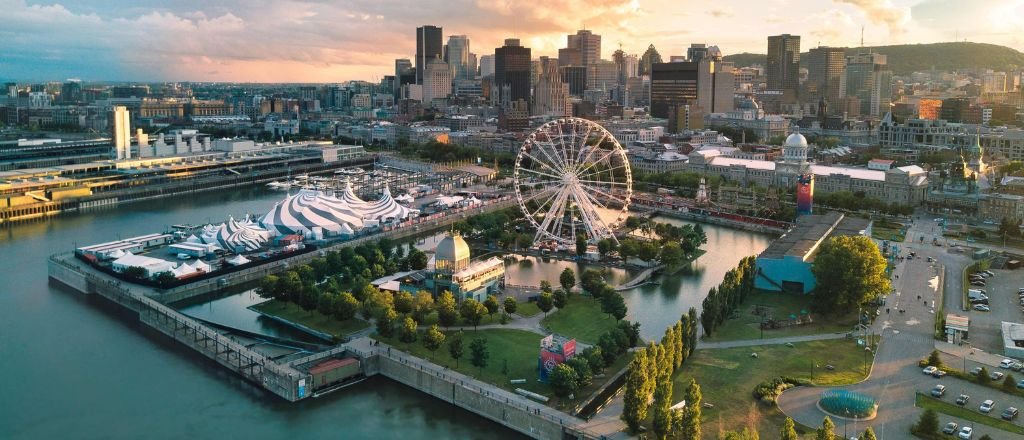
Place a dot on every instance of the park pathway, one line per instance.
(772, 341)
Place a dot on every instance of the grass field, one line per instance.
(747, 324)
(527, 309)
(939, 406)
(313, 320)
(582, 319)
(727, 378)
(513, 355)
(883, 230)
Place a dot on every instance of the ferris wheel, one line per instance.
(572, 178)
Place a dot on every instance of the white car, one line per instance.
(929, 370)
(1005, 363)
(965, 433)
(986, 406)
(981, 308)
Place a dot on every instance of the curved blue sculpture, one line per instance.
(848, 404)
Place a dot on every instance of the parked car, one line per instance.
(939, 390)
(975, 371)
(981, 308)
(996, 375)
(929, 369)
(982, 301)
(965, 433)
(978, 283)
(938, 373)
(963, 398)
(989, 272)
(986, 406)
(950, 428)
(1005, 363)
(1009, 413)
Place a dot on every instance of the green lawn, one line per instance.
(516, 349)
(939, 406)
(313, 320)
(883, 230)
(527, 309)
(728, 377)
(746, 325)
(582, 319)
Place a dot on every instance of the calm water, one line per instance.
(79, 367)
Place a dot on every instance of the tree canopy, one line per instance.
(849, 271)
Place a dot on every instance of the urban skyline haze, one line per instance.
(308, 41)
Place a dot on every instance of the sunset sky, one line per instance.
(331, 41)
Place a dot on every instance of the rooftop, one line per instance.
(810, 231)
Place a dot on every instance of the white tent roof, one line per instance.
(237, 260)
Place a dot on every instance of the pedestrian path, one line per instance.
(773, 341)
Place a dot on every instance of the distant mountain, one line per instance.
(908, 58)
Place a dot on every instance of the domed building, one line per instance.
(455, 272)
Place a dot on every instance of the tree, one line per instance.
(634, 410)
(510, 305)
(560, 299)
(985, 437)
(417, 259)
(386, 322)
(268, 287)
(472, 311)
(447, 314)
(660, 408)
(745, 434)
(983, 377)
(404, 303)
(851, 270)
(564, 380)
(581, 245)
(545, 302)
(613, 304)
(135, 272)
(672, 254)
(691, 414)
(325, 304)
(491, 303)
(869, 434)
(927, 426)
(433, 339)
(478, 354)
(455, 348)
(827, 431)
(423, 306)
(567, 279)
(345, 307)
(788, 431)
(591, 281)
(408, 330)
(1009, 384)
(934, 359)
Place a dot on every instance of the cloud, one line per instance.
(721, 13)
(883, 12)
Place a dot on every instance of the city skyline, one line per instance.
(294, 41)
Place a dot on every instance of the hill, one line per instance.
(908, 58)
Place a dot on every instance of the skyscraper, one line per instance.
(122, 134)
(404, 74)
(457, 56)
(486, 65)
(512, 72)
(650, 57)
(552, 94)
(437, 81)
(826, 73)
(589, 45)
(696, 52)
(869, 79)
(783, 65)
(428, 47)
(672, 85)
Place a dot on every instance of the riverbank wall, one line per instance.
(704, 218)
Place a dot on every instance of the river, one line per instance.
(76, 366)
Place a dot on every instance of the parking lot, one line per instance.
(977, 394)
(1005, 306)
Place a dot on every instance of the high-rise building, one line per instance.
(575, 77)
(473, 70)
(696, 52)
(870, 80)
(570, 56)
(551, 93)
(404, 74)
(783, 65)
(486, 65)
(716, 84)
(122, 134)
(589, 45)
(428, 47)
(649, 58)
(826, 76)
(602, 75)
(71, 92)
(672, 85)
(457, 56)
(437, 81)
(512, 72)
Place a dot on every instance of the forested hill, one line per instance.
(908, 58)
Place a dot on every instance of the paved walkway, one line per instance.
(701, 345)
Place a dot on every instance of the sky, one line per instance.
(339, 40)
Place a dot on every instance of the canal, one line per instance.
(74, 366)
